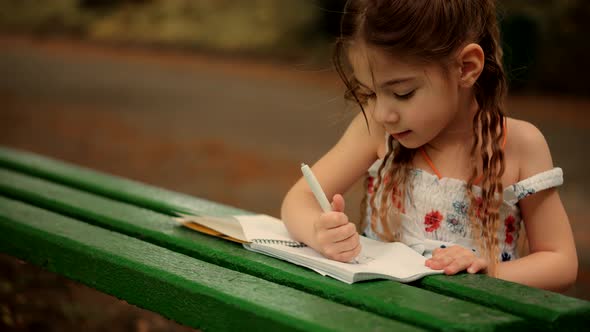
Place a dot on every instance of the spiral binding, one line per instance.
(292, 244)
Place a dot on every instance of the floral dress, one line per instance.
(436, 213)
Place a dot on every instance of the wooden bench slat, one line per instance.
(121, 189)
(390, 299)
(187, 290)
(557, 311)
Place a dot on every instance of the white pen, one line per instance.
(319, 194)
(316, 189)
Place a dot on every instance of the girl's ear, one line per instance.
(471, 62)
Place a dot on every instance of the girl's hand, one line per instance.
(336, 237)
(456, 259)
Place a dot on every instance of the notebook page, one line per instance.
(395, 259)
(377, 258)
(229, 226)
(261, 226)
(392, 259)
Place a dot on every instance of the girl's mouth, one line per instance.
(401, 135)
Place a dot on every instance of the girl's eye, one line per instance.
(406, 95)
(365, 97)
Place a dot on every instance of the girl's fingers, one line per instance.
(440, 252)
(347, 256)
(331, 220)
(345, 245)
(452, 250)
(439, 262)
(477, 266)
(338, 203)
(454, 259)
(343, 249)
(341, 233)
(459, 263)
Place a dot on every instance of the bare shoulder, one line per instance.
(364, 133)
(523, 133)
(350, 158)
(529, 144)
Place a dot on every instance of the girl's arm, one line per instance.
(553, 262)
(336, 172)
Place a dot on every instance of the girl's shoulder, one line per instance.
(369, 134)
(527, 144)
(360, 142)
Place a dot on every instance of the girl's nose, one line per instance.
(384, 113)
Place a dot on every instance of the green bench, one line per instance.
(118, 236)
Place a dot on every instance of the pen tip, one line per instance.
(302, 164)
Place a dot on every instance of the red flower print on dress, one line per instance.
(509, 223)
(386, 179)
(478, 204)
(370, 185)
(432, 221)
(396, 199)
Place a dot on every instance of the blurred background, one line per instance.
(223, 99)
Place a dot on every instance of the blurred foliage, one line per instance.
(545, 40)
(250, 26)
(258, 27)
(546, 44)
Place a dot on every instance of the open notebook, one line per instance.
(268, 235)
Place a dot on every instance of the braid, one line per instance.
(393, 176)
(488, 124)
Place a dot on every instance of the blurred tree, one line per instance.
(566, 49)
(101, 4)
(330, 14)
(544, 40)
(520, 37)
(545, 44)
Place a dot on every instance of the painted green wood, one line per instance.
(121, 189)
(182, 288)
(391, 299)
(559, 312)
(497, 294)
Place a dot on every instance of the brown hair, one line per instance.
(432, 31)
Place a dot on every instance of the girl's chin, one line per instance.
(410, 145)
(406, 139)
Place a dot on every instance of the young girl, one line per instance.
(447, 173)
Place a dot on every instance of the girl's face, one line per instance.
(415, 104)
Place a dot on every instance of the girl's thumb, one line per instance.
(338, 203)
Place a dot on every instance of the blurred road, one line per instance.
(229, 130)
